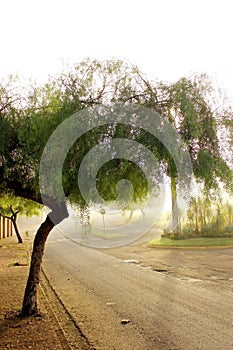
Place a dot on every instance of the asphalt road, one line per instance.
(164, 312)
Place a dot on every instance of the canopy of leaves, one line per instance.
(190, 107)
(26, 126)
(10, 203)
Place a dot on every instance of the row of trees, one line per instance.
(29, 116)
(208, 218)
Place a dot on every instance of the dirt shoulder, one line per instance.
(41, 332)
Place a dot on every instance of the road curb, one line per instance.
(191, 248)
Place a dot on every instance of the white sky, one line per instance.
(166, 38)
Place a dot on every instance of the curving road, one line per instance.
(165, 313)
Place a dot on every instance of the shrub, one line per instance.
(206, 229)
(188, 232)
(229, 229)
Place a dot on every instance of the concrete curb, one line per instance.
(192, 248)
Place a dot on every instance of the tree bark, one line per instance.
(175, 217)
(59, 213)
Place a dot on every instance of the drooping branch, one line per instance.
(23, 192)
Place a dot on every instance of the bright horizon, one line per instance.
(167, 40)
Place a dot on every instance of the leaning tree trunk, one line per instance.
(13, 219)
(175, 217)
(58, 214)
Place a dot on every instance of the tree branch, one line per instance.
(5, 216)
(14, 213)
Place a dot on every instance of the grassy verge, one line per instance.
(192, 242)
(105, 234)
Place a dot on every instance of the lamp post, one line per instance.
(103, 212)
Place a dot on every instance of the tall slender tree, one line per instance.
(189, 104)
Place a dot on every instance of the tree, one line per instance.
(11, 214)
(189, 105)
(11, 207)
(29, 127)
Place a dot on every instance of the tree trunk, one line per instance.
(131, 215)
(13, 219)
(175, 218)
(58, 214)
(196, 218)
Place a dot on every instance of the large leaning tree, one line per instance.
(27, 126)
(27, 123)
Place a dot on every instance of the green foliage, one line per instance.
(10, 204)
(120, 169)
(26, 127)
(208, 218)
(189, 107)
(229, 229)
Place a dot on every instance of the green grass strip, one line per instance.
(192, 242)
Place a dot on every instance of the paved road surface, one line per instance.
(164, 312)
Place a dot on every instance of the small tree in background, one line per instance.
(11, 207)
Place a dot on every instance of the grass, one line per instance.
(24, 255)
(105, 233)
(192, 242)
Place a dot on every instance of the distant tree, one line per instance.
(189, 105)
(11, 207)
